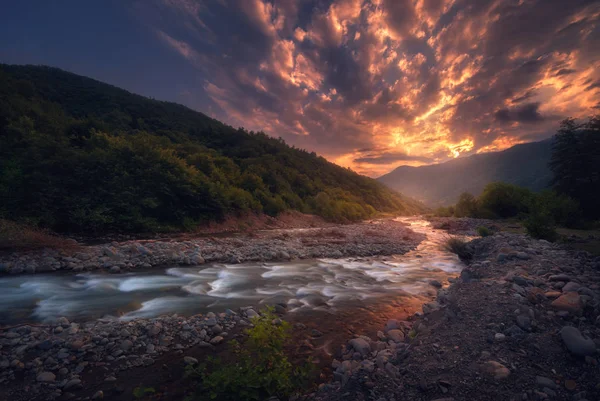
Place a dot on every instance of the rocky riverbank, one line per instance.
(61, 359)
(378, 237)
(521, 323)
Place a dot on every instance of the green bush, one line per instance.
(484, 231)
(458, 246)
(541, 226)
(261, 368)
(505, 200)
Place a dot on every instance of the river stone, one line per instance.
(568, 302)
(72, 384)
(188, 360)
(391, 324)
(435, 283)
(496, 370)
(360, 345)
(524, 322)
(576, 342)
(396, 335)
(571, 286)
(216, 340)
(251, 313)
(126, 345)
(46, 377)
(542, 381)
(559, 277)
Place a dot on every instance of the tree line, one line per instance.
(572, 200)
(79, 155)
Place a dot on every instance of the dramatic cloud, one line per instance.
(373, 84)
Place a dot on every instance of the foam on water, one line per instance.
(323, 284)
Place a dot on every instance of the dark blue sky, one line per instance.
(100, 39)
(370, 84)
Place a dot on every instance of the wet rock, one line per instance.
(576, 343)
(499, 337)
(115, 269)
(98, 395)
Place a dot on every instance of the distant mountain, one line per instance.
(81, 155)
(441, 184)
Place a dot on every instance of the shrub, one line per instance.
(484, 231)
(261, 369)
(444, 211)
(540, 225)
(458, 246)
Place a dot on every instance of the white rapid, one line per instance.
(324, 285)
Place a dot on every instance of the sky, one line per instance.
(369, 84)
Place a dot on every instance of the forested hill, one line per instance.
(80, 155)
(524, 165)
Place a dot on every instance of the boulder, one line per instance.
(569, 302)
(576, 343)
(360, 345)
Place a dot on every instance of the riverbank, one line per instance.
(377, 237)
(62, 359)
(521, 323)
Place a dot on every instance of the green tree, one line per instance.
(466, 206)
(575, 163)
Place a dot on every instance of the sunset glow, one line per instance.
(374, 84)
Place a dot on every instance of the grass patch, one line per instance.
(484, 231)
(20, 237)
(459, 247)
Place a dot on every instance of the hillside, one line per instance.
(80, 155)
(525, 165)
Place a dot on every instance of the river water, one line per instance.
(325, 285)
